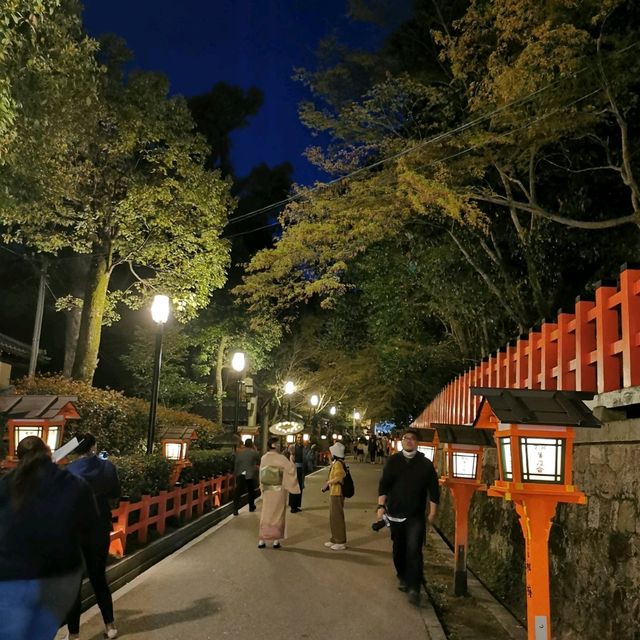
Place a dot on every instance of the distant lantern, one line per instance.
(333, 411)
(305, 437)
(534, 431)
(175, 443)
(427, 442)
(314, 400)
(289, 387)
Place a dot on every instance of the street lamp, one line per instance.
(160, 315)
(238, 364)
(333, 411)
(356, 417)
(314, 401)
(289, 390)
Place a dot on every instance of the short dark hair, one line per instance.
(248, 442)
(273, 442)
(87, 442)
(413, 432)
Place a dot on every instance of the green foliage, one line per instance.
(207, 463)
(141, 474)
(119, 423)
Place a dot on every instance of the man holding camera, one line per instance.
(409, 482)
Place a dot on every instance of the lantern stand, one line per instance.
(534, 432)
(175, 442)
(463, 449)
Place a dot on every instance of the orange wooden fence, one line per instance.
(595, 348)
(153, 511)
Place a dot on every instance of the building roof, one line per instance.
(426, 435)
(19, 349)
(535, 407)
(464, 434)
(38, 407)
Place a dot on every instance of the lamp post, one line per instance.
(238, 363)
(160, 315)
(534, 432)
(289, 390)
(314, 401)
(356, 417)
(463, 449)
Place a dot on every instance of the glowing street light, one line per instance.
(289, 388)
(333, 411)
(160, 315)
(314, 400)
(238, 363)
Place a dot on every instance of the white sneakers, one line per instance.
(338, 547)
(111, 633)
(329, 544)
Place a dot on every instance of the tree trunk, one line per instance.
(80, 268)
(219, 385)
(86, 359)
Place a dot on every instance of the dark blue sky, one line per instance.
(197, 43)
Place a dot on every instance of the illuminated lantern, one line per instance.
(427, 443)
(41, 416)
(534, 432)
(175, 442)
(463, 449)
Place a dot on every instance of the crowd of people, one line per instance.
(54, 521)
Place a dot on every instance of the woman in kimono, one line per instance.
(277, 480)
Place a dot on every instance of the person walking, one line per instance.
(277, 480)
(409, 482)
(337, 474)
(102, 477)
(245, 470)
(373, 447)
(298, 459)
(45, 514)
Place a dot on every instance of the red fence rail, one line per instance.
(595, 348)
(153, 511)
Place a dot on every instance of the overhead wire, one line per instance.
(437, 138)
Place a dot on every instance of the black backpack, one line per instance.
(348, 488)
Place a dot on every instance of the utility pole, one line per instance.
(37, 325)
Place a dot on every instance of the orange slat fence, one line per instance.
(594, 348)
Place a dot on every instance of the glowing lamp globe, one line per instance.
(238, 362)
(160, 309)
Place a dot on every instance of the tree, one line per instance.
(131, 191)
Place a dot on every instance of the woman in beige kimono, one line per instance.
(277, 480)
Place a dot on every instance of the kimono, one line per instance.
(277, 480)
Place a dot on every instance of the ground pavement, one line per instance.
(222, 586)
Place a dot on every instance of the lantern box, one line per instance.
(462, 451)
(41, 416)
(534, 432)
(175, 442)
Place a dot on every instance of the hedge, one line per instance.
(118, 422)
(141, 474)
(207, 463)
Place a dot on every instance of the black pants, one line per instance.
(95, 562)
(244, 485)
(408, 540)
(295, 499)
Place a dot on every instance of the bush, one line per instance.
(141, 474)
(207, 463)
(118, 423)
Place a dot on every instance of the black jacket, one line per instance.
(44, 537)
(408, 485)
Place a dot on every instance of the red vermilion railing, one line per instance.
(153, 511)
(595, 348)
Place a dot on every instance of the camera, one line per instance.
(381, 524)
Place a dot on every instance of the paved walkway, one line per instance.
(222, 586)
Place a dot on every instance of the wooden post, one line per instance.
(609, 369)
(143, 531)
(630, 322)
(462, 493)
(162, 512)
(535, 514)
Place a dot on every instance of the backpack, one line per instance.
(348, 488)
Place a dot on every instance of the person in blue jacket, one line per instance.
(102, 477)
(46, 514)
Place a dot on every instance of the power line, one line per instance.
(466, 150)
(437, 138)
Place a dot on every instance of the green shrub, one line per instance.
(119, 423)
(141, 474)
(207, 463)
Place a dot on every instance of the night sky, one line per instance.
(197, 43)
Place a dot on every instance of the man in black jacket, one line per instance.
(409, 481)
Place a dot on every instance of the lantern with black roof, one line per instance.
(534, 432)
(463, 449)
(175, 443)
